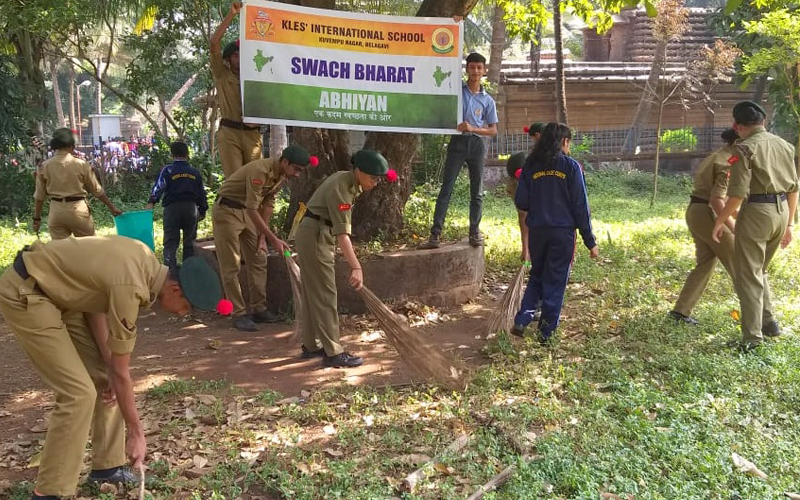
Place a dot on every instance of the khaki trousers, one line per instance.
(700, 220)
(62, 349)
(70, 218)
(237, 148)
(759, 229)
(235, 235)
(315, 254)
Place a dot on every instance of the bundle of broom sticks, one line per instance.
(503, 316)
(297, 295)
(426, 359)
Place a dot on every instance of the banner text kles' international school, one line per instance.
(332, 69)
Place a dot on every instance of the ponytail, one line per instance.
(550, 144)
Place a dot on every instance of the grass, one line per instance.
(624, 403)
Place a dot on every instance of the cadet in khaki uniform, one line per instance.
(243, 209)
(239, 143)
(708, 198)
(67, 180)
(764, 174)
(514, 169)
(327, 222)
(72, 305)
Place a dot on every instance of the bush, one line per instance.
(678, 140)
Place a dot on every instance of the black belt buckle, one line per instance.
(316, 217)
(57, 199)
(231, 203)
(237, 125)
(697, 199)
(19, 264)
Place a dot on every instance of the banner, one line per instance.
(334, 69)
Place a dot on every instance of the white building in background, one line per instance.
(105, 127)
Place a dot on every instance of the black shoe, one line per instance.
(744, 347)
(476, 239)
(245, 324)
(114, 475)
(518, 330)
(306, 354)
(771, 329)
(682, 318)
(342, 360)
(34, 496)
(546, 339)
(432, 243)
(266, 317)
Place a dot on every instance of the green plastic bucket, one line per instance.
(137, 225)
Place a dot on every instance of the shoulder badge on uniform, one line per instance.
(733, 159)
(343, 207)
(258, 182)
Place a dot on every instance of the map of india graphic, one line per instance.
(261, 60)
(439, 76)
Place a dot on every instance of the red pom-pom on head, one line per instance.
(518, 173)
(313, 161)
(74, 131)
(225, 307)
(527, 130)
(391, 175)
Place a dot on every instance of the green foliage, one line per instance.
(13, 113)
(678, 140)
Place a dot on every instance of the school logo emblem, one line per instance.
(478, 112)
(262, 25)
(343, 207)
(443, 41)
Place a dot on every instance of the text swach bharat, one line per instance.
(356, 71)
(364, 34)
(556, 173)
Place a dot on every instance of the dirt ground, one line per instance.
(207, 347)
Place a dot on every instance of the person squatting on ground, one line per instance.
(67, 181)
(709, 192)
(185, 203)
(764, 174)
(480, 121)
(239, 143)
(327, 221)
(553, 193)
(240, 217)
(72, 305)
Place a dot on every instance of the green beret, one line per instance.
(370, 162)
(62, 138)
(200, 284)
(230, 49)
(535, 128)
(296, 155)
(748, 113)
(515, 162)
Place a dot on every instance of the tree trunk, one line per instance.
(498, 44)
(29, 60)
(57, 92)
(761, 87)
(73, 123)
(277, 140)
(647, 99)
(536, 51)
(166, 109)
(661, 102)
(561, 95)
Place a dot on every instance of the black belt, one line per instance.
(19, 264)
(237, 125)
(69, 198)
(697, 199)
(766, 198)
(316, 217)
(231, 203)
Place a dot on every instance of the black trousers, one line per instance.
(179, 216)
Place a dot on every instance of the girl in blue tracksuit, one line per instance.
(553, 193)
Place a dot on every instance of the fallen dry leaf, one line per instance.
(35, 459)
(108, 488)
(334, 453)
(791, 496)
(39, 428)
(329, 430)
(207, 399)
(414, 458)
(444, 469)
(747, 466)
(199, 462)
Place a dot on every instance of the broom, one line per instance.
(503, 316)
(297, 296)
(424, 358)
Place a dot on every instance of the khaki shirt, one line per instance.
(711, 177)
(64, 176)
(333, 200)
(255, 184)
(511, 186)
(229, 93)
(764, 164)
(99, 274)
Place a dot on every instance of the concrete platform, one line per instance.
(450, 275)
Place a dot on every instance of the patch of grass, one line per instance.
(186, 387)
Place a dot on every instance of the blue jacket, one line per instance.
(555, 197)
(179, 181)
